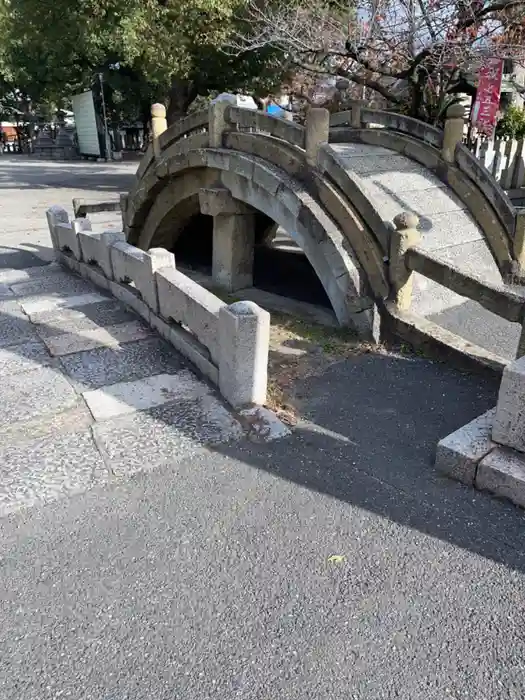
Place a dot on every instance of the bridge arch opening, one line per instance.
(279, 266)
(170, 202)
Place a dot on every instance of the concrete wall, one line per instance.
(228, 344)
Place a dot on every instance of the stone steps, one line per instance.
(89, 393)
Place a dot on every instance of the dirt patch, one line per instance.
(299, 350)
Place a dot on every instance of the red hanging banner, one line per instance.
(488, 95)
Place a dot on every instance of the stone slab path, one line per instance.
(89, 394)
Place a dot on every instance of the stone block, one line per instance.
(96, 248)
(44, 469)
(244, 337)
(195, 308)
(130, 297)
(67, 239)
(111, 336)
(155, 259)
(187, 345)
(94, 274)
(142, 394)
(218, 200)
(126, 262)
(502, 472)
(94, 369)
(459, 454)
(509, 421)
(56, 215)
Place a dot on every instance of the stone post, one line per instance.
(519, 244)
(244, 338)
(355, 115)
(233, 239)
(56, 215)
(158, 126)
(317, 126)
(454, 127)
(507, 428)
(217, 123)
(404, 237)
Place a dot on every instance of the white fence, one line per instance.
(505, 159)
(228, 343)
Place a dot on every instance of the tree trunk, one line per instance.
(181, 95)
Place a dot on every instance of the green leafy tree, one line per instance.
(512, 126)
(145, 49)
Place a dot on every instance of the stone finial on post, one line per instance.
(317, 126)
(158, 126)
(454, 128)
(403, 237)
(244, 338)
(217, 123)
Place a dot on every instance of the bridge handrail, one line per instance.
(407, 257)
(260, 121)
(358, 116)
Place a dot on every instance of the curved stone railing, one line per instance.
(266, 123)
(228, 344)
(358, 117)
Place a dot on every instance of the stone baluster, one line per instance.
(218, 123)
(403, 237)
(454, 129)
(317, 127)
(519, 257)
(355, 115)
(158, 126)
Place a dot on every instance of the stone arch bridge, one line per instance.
(336, 185)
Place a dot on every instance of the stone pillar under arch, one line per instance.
(233, 238)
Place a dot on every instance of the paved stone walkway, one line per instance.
(89, 394)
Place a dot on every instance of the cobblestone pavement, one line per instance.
(335, 564)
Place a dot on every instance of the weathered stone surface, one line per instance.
(184, 301)
(167, 434)
(459, 454)
(509, 421)
(14, 325)
(105, 366)
(233, 251)
(188, 346)
(263, 424)
(141, 394)
(44, 303)
(9, 276)
(15, 359)
(502, 472)
(84, 318)
(59, 284)
(244, 335)
(44, 390)
(111, 336)
(40, 471)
